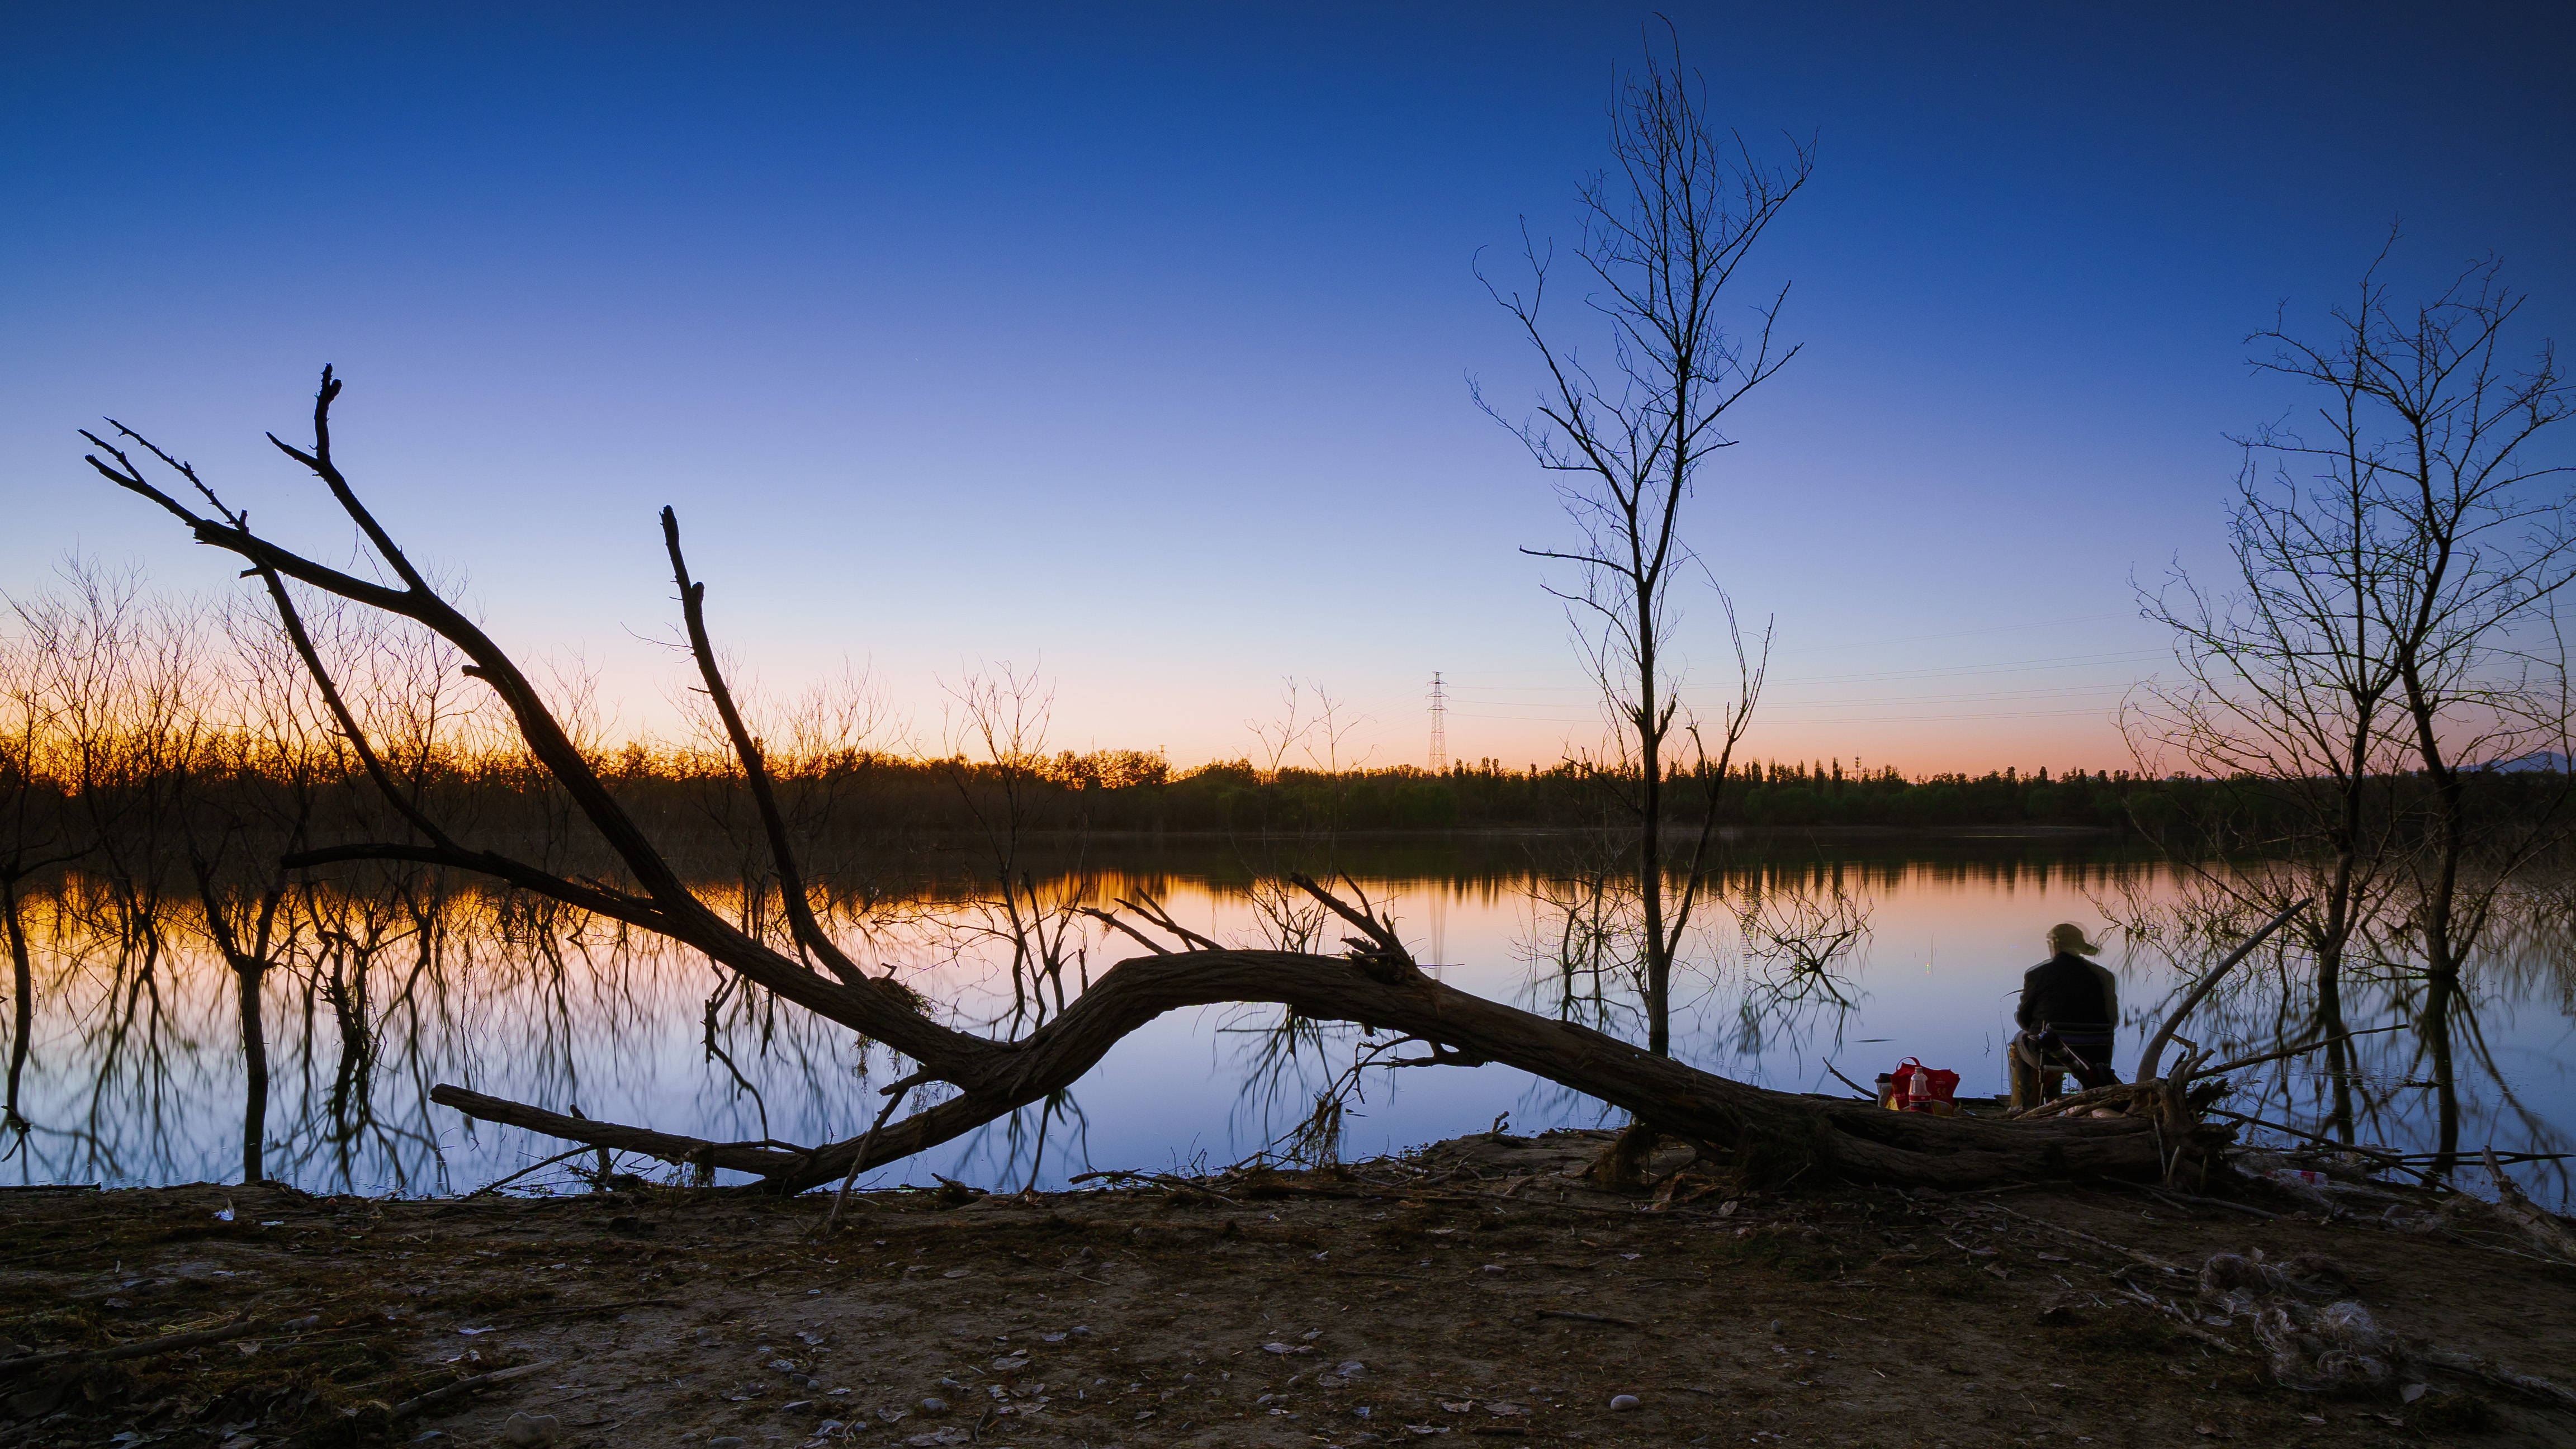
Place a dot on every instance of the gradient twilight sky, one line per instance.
(1132, 343)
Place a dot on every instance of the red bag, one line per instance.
(1918, 1088)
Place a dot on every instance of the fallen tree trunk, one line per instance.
(1772, 1136)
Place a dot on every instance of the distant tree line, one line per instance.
(888, 796)
(1234, 798)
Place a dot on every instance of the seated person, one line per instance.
(2070, 1006)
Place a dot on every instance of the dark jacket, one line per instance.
(2069, 992)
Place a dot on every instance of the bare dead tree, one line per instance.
(2480, 547)
(1003, 717)
(1798, 938)
(2286, 687)
(1376, 984)
(1665, 231)
(2388, 625)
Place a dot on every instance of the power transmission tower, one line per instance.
(1439, 726)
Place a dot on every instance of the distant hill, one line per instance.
(2545, 760)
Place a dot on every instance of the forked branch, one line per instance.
(755, 768)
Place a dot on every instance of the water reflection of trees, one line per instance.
(2413, 1067)
(399, 979)
(389, 981)
(1781, 978)
(1771, 968)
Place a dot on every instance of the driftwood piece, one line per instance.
(2090, 1097)
(2183, 1321)
(740, 1157)
(895, 1097)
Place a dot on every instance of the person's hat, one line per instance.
(2067, 936)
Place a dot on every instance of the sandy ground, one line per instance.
(1473, 1289)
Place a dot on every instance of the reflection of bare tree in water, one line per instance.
(2403, 1061)
(2416, 1075)
(464, 985)
(1794, 940)
(1788, 941)
(1584, 943)
(403, 984)
(114, 674)
(1781, 944)
(118, 1044)
(1801, 936)
(1036, 927)
(1289, 1069)
(1285, 1061)
(355, 930)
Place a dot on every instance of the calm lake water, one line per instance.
(134, 1075)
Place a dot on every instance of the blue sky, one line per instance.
(1132, 343)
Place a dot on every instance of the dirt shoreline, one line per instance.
(1473, 1288)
